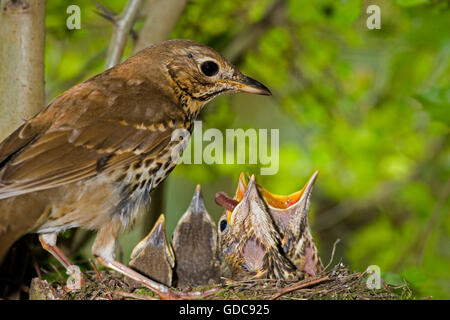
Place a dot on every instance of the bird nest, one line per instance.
(337, 283)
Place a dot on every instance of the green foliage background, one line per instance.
(369, 108)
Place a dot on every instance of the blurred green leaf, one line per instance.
(411, 3)
(436, 101)
(392, 278)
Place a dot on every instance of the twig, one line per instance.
(111, 17)
(386, 286)
(133, 295)
(35, 265)
(122, 27)
(99, 277)
(95, 295)
(332, 253)
(299, 286)
(96, 270)
(105, 13)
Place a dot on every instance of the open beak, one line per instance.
(249, 85)
(251, 196)
(284, 202)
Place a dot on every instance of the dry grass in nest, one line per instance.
(337, 283)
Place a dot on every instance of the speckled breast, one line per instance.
(142, 176)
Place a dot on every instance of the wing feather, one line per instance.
(87, 129)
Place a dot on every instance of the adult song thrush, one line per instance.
(91, 157)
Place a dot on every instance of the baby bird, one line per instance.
(153, 256)
(249, 241)
(289, 217)
(194, 242)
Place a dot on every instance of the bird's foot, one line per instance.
(76, 278)
(161, 290)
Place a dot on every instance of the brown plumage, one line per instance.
(194, 242)
(291, 216)
(91, 157)
(284, 222)
(153, 256)
(249, 241)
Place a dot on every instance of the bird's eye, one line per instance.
(223, 224)
(209, 68)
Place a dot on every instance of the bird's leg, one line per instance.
(48, 242)
(103, 250)
(163, 291)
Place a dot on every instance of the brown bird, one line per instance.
(194, 242)
(290, 219)
(153, 256)
(91, 157)
(291, 216)
(249, 241)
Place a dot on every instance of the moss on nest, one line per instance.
(339, 283)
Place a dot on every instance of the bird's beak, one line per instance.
(244, 207)
(284, 202)
(249, 85)
(197, 204)
(156, 239)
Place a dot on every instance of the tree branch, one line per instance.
(161, 18)
(123, 24)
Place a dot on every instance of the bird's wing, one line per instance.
(51, 156)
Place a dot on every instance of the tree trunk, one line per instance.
(22, 95)
(161, 18)
(22, 42)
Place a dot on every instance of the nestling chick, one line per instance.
(249, 241)
(289, 216)
(153, 255)
(194, 242)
